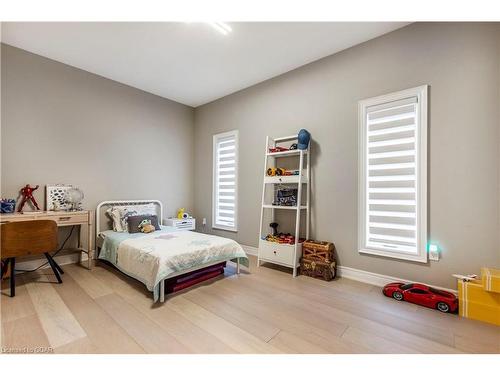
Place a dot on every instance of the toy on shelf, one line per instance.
(423, 295)
(480, 297)
(275, 171)
(27, 195)
(277, 149)
(303, 137)
(281, 172)
(182, 214)
(275, 228)
(7, 206)
(283, 238)
(286, 197)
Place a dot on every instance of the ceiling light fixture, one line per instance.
(221, 27)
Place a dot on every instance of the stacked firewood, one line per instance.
(318, 260)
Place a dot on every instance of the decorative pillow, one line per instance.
(120, 214)
(134, 222)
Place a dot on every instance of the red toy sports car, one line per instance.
(422, 295)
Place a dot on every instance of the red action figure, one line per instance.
(27, 193)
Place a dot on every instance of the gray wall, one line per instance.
(64, 125)
(460, 62)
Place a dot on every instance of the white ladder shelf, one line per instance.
(287, 255)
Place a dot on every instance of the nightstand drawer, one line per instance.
(181, 224)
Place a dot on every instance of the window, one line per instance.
(225, 181)
(393, 175)
(407, 286)
(418, 291)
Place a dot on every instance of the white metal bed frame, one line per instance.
(160, 205)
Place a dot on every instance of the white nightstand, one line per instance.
(181, 224)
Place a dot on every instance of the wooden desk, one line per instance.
(63, 219)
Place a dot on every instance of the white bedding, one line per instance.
(153, 257)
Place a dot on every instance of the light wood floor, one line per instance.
(264, 310)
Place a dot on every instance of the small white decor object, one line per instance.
(73, 197)
(56, 197)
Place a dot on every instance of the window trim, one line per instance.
(214, 180)
(421, 172)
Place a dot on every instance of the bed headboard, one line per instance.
(103, 221)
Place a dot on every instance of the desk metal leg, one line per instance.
(55, 267)
(12, 277)
(5, 266)
(89, 243)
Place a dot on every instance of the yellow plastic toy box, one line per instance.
(491, 279)
(477, 300)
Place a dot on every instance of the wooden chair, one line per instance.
(28, 238)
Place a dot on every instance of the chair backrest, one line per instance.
(28, 237)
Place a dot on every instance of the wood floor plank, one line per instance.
(477, 345)
(189, 334)
(59, 324)
(18, 307)
(149, 335)
(237, 316)
(105, 334)
(24, 333)
(284, 318)
(237, 338)
(376, 343)
(88, 281)
(327, 314)
(290, 343)
(81, 346)
(358, 307)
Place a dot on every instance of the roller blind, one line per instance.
(393, 187)
(225, 203)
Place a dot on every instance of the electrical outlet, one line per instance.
(434, 252)
(204, 222)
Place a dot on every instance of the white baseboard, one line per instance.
(61, 260)
(250, 250)
(360, 275)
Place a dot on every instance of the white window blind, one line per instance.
(393, 175)
(225, 181)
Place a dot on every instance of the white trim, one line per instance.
(421, 171)
(214, 180)
(63, 259)
(360, 275)
(250, 250)
(378, 279)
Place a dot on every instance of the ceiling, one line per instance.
(190, 63)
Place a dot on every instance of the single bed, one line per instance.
(162, 255)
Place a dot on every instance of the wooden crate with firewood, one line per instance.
(318, 250)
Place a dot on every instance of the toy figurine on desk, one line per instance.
(27, 195)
